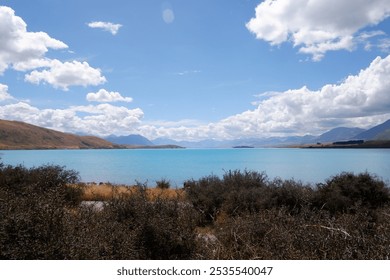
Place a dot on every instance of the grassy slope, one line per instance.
(19, 135)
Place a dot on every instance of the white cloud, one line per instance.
(361, 100)
(20, 46)
(384, 45)
(106, 26)
(101, 120)
(25, 51)
(64, 74)
(104, 96)
(33, 64)
(4, 95)
(187, 72)
(316, 26)
(106, 119)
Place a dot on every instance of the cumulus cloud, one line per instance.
(25, 51)
(106, 119)
(65, 74)
(105, 96)
(20, 46)
(101, 120)
(106, 26)
(361, 100)
(318, 26)
(4, 95)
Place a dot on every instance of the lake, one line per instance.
(179, 165)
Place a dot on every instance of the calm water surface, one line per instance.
(178, 165)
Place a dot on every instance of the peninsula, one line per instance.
(15, 135)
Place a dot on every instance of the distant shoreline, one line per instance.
(153, 147)
(365, 145)
(123, 147)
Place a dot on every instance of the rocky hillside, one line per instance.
(19, 135)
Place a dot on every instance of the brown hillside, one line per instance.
(18, 135)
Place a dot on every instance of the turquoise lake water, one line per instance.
(179, 165)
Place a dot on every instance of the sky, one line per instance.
(195, 69)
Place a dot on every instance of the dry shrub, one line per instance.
(242, 215)
(245, 192)
(346, 192)
(93, 235)
(285, 219)
(163, 184)
(275, 234)
(293, 195)
(162, 228)
(33, 207)
(206, 196)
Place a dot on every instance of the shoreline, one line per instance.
(118, 147)
(365, 145)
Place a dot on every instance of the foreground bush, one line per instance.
(132, 227)
(347, 191)
(33, 206)
(243, 215)
(245, 192)
(347, 217)
(275, 234)
(41, 218)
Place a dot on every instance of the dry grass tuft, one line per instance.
(107, 191)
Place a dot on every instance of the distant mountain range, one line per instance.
(339, 134)
(19, 135)
(133, 139)
(379, 132)
(252, 142)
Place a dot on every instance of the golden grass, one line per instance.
(104, 192)
(21, 135)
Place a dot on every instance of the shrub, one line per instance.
(245, 192)
(50, 180)
(162, 228)
(275, 234)
(290, 194)
(346, 191)
(33, 206)
(237, 192)
(244, 179)
(242, 215)
(163, 184)
(206, 196)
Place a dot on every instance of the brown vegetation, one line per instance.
(107, 191)
(243, 215)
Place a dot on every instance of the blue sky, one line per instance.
(195, 69)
